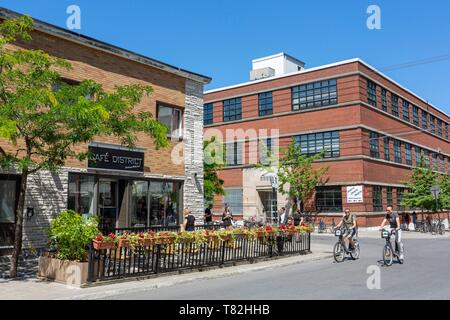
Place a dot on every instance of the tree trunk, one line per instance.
(18, 230)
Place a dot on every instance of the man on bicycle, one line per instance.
(394, 222)
(349, 220)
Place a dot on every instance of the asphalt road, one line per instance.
(425, 275)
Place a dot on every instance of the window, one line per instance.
(234, 198)
(405, 110)
(432, 124)
(232, 109)
(415, 115)
(446, 131)
(389, 201)
(8, 198)
(208, 113)
(313, 95)
(394, 103)
(329, 199)
(442, 162)
(377, 198)
(439, 127)
(171, 118)
(397, 151)
(233, 153)
(418, 152)
(374, 148)
(434, 157)
(371, 93)
(387, 155)
(384, 99)
(82, 189)
(426, 155)
(265, 150)
(314, 143)
(408, 154)
(400, 192)
(265, 103)
(424, 120)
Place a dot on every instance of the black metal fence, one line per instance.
(160, 228)
(122, 262)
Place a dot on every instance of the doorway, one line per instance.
(108, 204)
(269, 202)
(9, 194)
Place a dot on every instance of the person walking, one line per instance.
(227, 217)
(189, 220)
(208, 214)
(297, 217)
(282, 216)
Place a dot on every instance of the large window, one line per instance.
(208, 113)
(408, 154)
(384, 103)
(265, 150)
(374, 146)
(424, 120)
(265, 103)
(442, 162)
(371, 93)
(8, 191)
(316, 94)
(446, 131)
(418, 152)
(415, 115)
(400, 192)
(394, 104)
(439, 127)
(389, 201)
(387, 155)
(397, 151)
(165, 203)
(432, 124)
(82, 194)
(234, 199)
(234, 153)
(172, 119)
(232, 109)
(405, 110)
(426, 155)
(434, 157)
(314, 143)
(329, 199)
(377, 198)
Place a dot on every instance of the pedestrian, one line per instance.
(297, 218)
(414, 218)
(282, 216)
(407, 220)
(208, 214)
(189, 221)
(227, 217)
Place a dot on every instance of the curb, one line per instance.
(195, 276)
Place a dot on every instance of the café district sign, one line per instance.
(109, 158)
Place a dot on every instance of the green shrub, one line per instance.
(71, 233)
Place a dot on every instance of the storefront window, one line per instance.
(82, 194)
(164, 203)
(139, 204)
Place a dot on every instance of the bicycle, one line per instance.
(388, 250)
(332, 227)
(340, 250)
(322, 227)
(437, 227)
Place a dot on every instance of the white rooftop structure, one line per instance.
(275, 65)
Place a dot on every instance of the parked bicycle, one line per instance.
(340, 250)
(388, 250)
(322, 227)
(437, 227)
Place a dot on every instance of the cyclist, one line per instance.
(394, 224)
(349, 220)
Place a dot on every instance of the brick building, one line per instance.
(373, 130)
(152, 193)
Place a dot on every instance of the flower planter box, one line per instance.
(165, 240)
(225, 237)
(72, 273)
(124, 243)
(103, 245)
(146, 242)
(260, 234)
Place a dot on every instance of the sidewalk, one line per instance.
(32, 288)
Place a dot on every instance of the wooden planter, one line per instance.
(165, 240)
(124, 243)
(103, 245)
(146, 242)
(212, 238)
(72, 273)
(225, 237)
(260, 234)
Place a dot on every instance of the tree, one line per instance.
(419, 185)
(297, 177)
(214, 152)
(444, 194)
(41, 126)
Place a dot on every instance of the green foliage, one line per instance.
(214, 152)
(297, 177)
(72, 234)
(444, 195)
(419, 185)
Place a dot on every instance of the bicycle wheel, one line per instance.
(355, 253)
(338, 252)
(388, 255)
(433, 229)
(441, 229)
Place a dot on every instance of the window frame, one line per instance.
(263, 101)
(236, 104)
(208, 113)
(178, 109)
(306, 96)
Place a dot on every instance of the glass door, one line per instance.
(139, 207)
(8, 203)
(107, 204)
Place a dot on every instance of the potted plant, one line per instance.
(224, 235)
(185, 237)
(166, 237)
(71, 235)
(101, 242)
(146, 239)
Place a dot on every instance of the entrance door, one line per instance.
(107, 204)
(9, 188)
(269, 201)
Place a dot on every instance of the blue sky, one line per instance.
(219, 38)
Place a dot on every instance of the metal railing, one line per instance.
(122, 262)
(160, 228)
